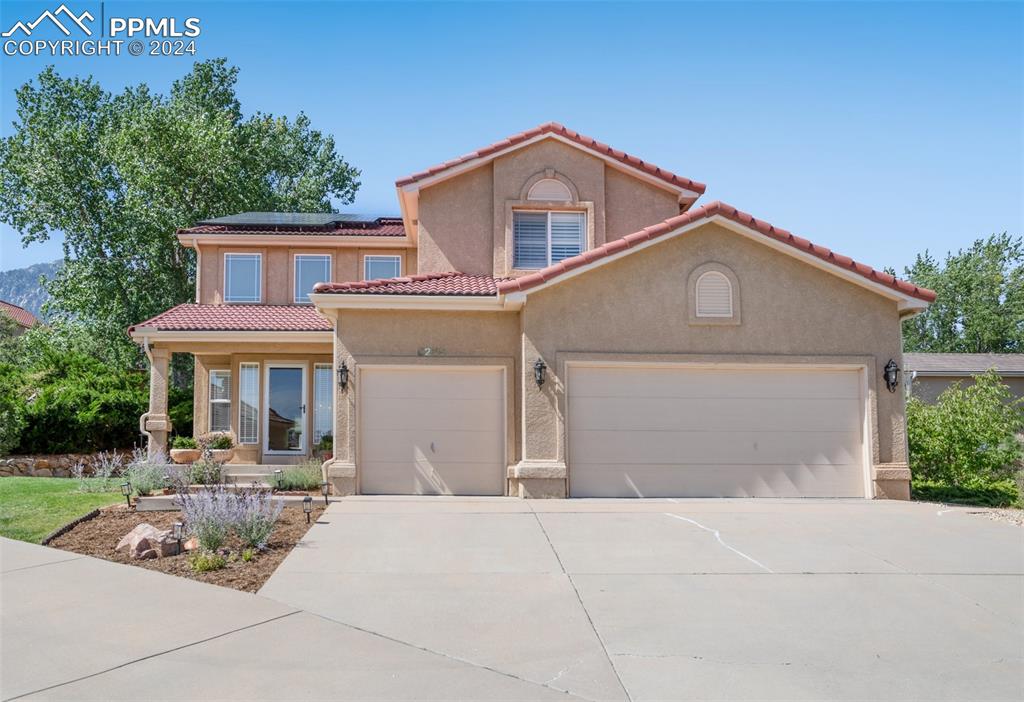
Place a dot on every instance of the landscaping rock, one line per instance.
(190, 545)
(42, 473)
(145, 538)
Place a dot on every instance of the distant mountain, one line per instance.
(21, 285)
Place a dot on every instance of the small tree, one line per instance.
(968, 438)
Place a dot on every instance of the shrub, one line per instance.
(302, 476)
(248, 554)
(1003, 493)
(205, 471)
(12, 407)
(203, 561)
(106, 473)
(209, 515)
(968, 438)
(146, 475)
(184, 442)
(217, 441)
(258, 512)
(180, 405)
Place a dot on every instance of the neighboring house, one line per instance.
(928, 374)
(548, 316)
(23, 319)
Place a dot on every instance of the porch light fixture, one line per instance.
(307, 506)
(539, 370)
(324, 487)
(343, 375)
(126, 490)
(179, 529)
(891, 375)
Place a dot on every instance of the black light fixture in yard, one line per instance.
(891, 373)
(179, 529)
(539, 370)
(126, 490)
(343, 375)
(324, 489)
(278, 478)
(307, 506)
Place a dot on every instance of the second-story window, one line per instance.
(377, 267)
(310, 269)
(543, 238)
(242, 277)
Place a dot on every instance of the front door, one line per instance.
(284, 417)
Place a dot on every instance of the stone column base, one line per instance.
(159, 427)
(341, 476)
(892, 481)
(537, 480)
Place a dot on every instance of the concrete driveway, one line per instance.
(458, 598)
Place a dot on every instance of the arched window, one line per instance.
(714, 295)
(550, 190)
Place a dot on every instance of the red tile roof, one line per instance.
(21, 316)
(271, 318)
(556, 128)
(705, 212)
(452, 283)
(384, 227)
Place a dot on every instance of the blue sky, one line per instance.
(877, 129)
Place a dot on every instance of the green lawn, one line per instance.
(31, 508)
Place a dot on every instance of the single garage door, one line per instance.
(432, 431)
(678, 431)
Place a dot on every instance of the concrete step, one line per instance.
(165, 503)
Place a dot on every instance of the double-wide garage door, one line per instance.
(431, 431)
(677, 431)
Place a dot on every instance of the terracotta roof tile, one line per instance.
(706, 212)
(270, 318)
(451, 283)
(556, 128)
(21, 316)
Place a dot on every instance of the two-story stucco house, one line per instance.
(547, 317)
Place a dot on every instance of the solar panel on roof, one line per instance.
(290, 219)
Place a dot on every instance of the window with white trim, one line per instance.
(714, 295)
(310, 269)
(323, 403)
(540, 239)
(243, 277)
(248, 402)
(378, 267)
(220, 400)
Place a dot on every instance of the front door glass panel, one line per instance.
(286, 413)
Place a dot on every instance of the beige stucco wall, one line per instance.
(791, 312)
(278, 268)
(928, 388)
(464, 221)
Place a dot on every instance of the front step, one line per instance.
(165, 503)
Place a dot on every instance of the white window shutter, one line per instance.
(714, 295)
(566, 235)
(530, 237)
(248, 402)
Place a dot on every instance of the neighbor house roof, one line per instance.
(704, 212)
(554, 128)
(452, 283)
(963, 363)
(270, 318)
(21, 316)
(350, 225)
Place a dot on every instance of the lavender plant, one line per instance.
(145, 473)
(257, 514)
(209, 514)
(106, 469)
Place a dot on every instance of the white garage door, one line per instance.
(676, 431)
(431, 431)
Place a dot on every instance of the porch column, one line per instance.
(156, 420)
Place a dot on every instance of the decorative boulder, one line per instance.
(145, 538)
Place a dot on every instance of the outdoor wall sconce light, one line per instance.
(324, 487)
(343, 375)
(539, 369)
(278, 477)
(891, 375)
(126, 490)
(179, 528)
(307, 506)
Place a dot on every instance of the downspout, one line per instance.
(145, 415)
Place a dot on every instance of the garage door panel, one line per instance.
(661, 413)
(434, 384)
(713, 383)
(404, 444)
(616, 480)
(428, 478)
(433, 415)
(720, 447)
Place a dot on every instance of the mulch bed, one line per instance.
(98, 537)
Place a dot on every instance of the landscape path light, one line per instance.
(126, 490)
(324, 487)
(307, 506)
(179, 528)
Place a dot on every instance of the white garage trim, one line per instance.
(863, 370)
(438, 367)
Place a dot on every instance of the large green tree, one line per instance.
(980, 304)
(119, 173)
